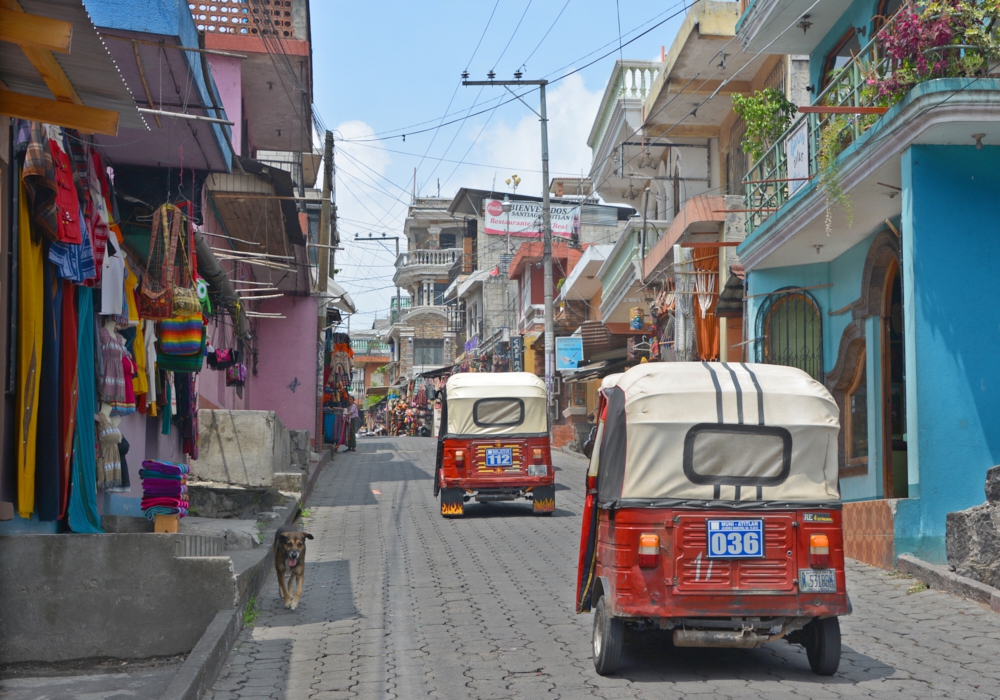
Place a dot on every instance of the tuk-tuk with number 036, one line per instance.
(713, 511)
(494, 442)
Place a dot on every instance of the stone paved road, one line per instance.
(400, 603)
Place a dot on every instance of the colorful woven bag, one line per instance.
(183, 363)
(156, 296)
(182, 335)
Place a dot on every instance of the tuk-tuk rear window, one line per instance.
(737, 455)
(498, 413)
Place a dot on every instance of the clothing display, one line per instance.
(164, 488)
(84, 353)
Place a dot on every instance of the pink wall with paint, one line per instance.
(227, 72)
(286, 362)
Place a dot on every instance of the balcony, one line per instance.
(785, 221)
(369, 347)
(630, 84)
(394, 312)
(769, 184)
(415, 266)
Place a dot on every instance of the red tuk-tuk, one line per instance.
(494, 442)
(713, 510)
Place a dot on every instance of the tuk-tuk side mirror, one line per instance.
(588, 449)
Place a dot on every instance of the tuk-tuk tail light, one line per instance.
(459, 458)
(819, 551)
(649, 550)
(537, 456)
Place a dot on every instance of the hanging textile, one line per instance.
(30, 321)
(109, 465)
(83, 516)
(38, 176)
(47, 451)
(68, 371)
(67, 199)
(706, 323)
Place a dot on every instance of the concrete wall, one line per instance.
(244, 448)
(287, 357)
(124, 596)
(950, 256)
(227, 74)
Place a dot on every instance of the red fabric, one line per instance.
(67, 200)
(67, 391)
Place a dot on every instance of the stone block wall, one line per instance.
(244, 448)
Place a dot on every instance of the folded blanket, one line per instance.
(165, 467)
(152, 512)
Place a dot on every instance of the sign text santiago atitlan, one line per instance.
(526, 219)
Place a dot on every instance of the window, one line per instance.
(846, 48)
(856, 423)
(446, 240)
(439, 289)
(428, 351)
(790, 333)
(884, 11)
(737, 455)
(498, 413)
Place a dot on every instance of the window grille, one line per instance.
(790, 332)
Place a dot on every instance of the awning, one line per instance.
(441, 372)
(70, 79)
(378, 391)
(731, 299)
(338, 297)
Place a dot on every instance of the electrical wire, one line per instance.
(524, 63)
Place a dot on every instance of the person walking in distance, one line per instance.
(352, 428)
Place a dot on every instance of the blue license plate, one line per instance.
(499, 457)
(736, 539)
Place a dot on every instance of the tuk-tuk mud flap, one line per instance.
(544, 499)
(452, 502)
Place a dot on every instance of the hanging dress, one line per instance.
(68, 371)
(30, 319)
(47, 454)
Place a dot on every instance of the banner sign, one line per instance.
(797, 153)
(526, 219)
(569, 353)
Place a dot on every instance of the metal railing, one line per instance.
(767, 184)
(394, 313)
(633, 79)
(366, 346)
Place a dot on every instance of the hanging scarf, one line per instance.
(67, 391)
(83, 516)
(48, 457)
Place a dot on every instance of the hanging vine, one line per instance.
(767, 114)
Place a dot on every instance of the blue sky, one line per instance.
(382, 67)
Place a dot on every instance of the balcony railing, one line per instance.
(371, 348)
(394, 313)
(633, 79)
(445, 257)
(767, 184)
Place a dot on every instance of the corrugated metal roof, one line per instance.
(89, 66)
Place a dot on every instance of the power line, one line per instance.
(524, 63)
(507, 46)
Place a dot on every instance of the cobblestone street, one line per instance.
(400, 603)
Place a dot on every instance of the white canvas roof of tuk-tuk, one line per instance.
(465, 389)
(664, 401)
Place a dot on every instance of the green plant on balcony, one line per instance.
(767, 114)
(943, 39)
(834, 137)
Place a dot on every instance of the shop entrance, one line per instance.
(894, 436)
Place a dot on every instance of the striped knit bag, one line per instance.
(181, 335)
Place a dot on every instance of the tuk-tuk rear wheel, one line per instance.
(608, 640)
(822, 643)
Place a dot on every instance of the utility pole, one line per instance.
(321, 285)
(546, 210)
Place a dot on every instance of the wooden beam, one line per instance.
(35, 31)
(88, 120)
(847, 109)
(50, 70)
(707, 87)
(690, 131)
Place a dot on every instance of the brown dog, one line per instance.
(290, 561)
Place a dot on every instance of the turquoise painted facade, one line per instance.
(949, 255)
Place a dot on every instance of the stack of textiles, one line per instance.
(164, 488)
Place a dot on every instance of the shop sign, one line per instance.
(525, 219)
(472, 344)
(569, 353)
(797, 153)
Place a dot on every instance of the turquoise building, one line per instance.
(883, 290)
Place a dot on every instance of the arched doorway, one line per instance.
(894, 481)
(881, 298)
(790, 332)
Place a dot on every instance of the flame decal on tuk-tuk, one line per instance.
(452, 509)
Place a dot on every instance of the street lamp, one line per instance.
(507, 206)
